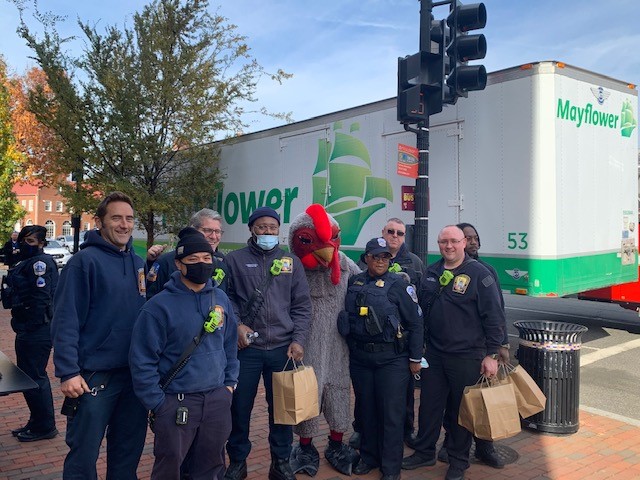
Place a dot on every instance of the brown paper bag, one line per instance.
(529, 397)
(489, 411)
(295, 395)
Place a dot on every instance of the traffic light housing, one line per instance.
(411, 106)
(463, 47)
(421, 76)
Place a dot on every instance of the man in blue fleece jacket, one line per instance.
(99, 295)
(204, 387)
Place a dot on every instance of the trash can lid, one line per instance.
(549, 331)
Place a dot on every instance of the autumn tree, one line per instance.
(38, 144)
(138, 109)
(10, 211)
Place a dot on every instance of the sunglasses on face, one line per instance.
(391, 231)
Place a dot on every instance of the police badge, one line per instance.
(39, 268)
(460, 283)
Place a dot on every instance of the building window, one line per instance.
(51, 228)
(47, 205)
(30, 208)
(29, 222)
(66, 228)
(24, 204)
(87, 226)
(59, 206)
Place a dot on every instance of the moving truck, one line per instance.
(544, 162)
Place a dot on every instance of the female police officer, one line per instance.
(31, 285)
(384, 329)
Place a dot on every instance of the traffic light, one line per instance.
(463, 47)
(421, 76)
(411, 108)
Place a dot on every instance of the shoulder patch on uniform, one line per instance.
(412, 293)
(461, 283)
(488, 281)
(39, 268)
(40, 282)
(287, 265)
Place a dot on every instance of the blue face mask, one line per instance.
(267, 242)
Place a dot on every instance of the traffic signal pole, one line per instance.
(438, 74)
(421, 230)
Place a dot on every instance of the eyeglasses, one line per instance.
(267, 228)
(391, 231)
(472, 237)
(211, 231)
(447, 242)
(381, 257)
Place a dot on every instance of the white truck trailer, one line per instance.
(544, 162)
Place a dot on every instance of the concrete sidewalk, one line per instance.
(603, 447)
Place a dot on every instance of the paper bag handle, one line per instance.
(295, 365)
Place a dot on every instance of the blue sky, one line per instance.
(343, 53)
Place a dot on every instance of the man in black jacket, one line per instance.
(465, 323)
(270, 296)
(11, 250)
(485, 451)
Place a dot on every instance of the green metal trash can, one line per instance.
(550, 353)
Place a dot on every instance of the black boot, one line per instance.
(341, 457)
(489, 456)
(236, 471)
(280, 470)
(305, 459)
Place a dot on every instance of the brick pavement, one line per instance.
(603, 448)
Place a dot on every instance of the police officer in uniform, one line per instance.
(31, 284)
(465, 327)
(408, 264)
(485, 450)
(383, 326)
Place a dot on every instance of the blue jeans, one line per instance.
(115, 410)
(253, 364)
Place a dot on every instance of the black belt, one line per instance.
(371, 347)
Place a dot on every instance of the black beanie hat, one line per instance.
(191, 241)
(263, 212)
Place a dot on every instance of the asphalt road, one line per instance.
(610, 353)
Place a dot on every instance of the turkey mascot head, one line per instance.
(314, 236)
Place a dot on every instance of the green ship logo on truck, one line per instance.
(344, 183)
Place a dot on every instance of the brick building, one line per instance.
(45, 206)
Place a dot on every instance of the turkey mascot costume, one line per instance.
(314, 236)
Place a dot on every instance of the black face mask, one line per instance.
(28, 251)
(199, 272)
